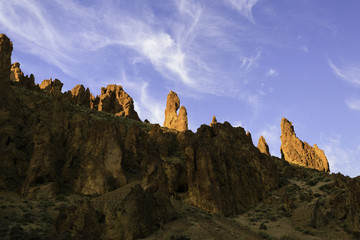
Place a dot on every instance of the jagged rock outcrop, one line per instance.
(114, 99)
(213, 122)
(18, 76)
(295, 151)
(173, 120)
(263, 146)
(50, 86)
(79, 96)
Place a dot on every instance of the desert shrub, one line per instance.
(317, 195)
(327, 188)
(4, 229)
(356, 235)
(46, 204)
(262, 226)
(286, 237)
(181, 237)
(313, 181)
(264, 235)
(308, 232)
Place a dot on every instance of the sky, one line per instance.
(248, 62)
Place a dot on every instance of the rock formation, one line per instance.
(114, 99)
(173, 120)
(6, 48)
(51, 86)
(263, 146)
(295, 151)
(108, 177)
(18, 76)
(16, 73)
(213, 122)
(79, 96)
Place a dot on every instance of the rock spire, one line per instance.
(174, 120)
(295, 151)
(213, 122)
(6, 48)
(263, 146)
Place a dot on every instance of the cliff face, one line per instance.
(298, 152)
(134, 174)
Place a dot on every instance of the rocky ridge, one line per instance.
(53, 146)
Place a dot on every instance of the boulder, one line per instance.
(173, 120)
(295, 151)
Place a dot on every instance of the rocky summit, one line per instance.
(76, 166)
(295, 151)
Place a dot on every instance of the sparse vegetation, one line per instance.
(262, 226)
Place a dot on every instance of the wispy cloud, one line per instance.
(195, 48)
(249, 62)
(349, 73)
(341, 158)
(353, 103)
(272, 73)
(305, 49)
(145, 104)
(244, 7)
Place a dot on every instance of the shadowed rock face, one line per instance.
(79, 96)
(295, 151)
(6, 48)
(263, 146)
(114, 99)
(172, 119)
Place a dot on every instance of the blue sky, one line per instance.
(249, 62)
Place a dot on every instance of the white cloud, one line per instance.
(353, 103)
(147, 107)
(341, 158)
(272, 73)
(183, 48)
(349, 73)
(249, 62)
(244, 7)
(305, 49)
